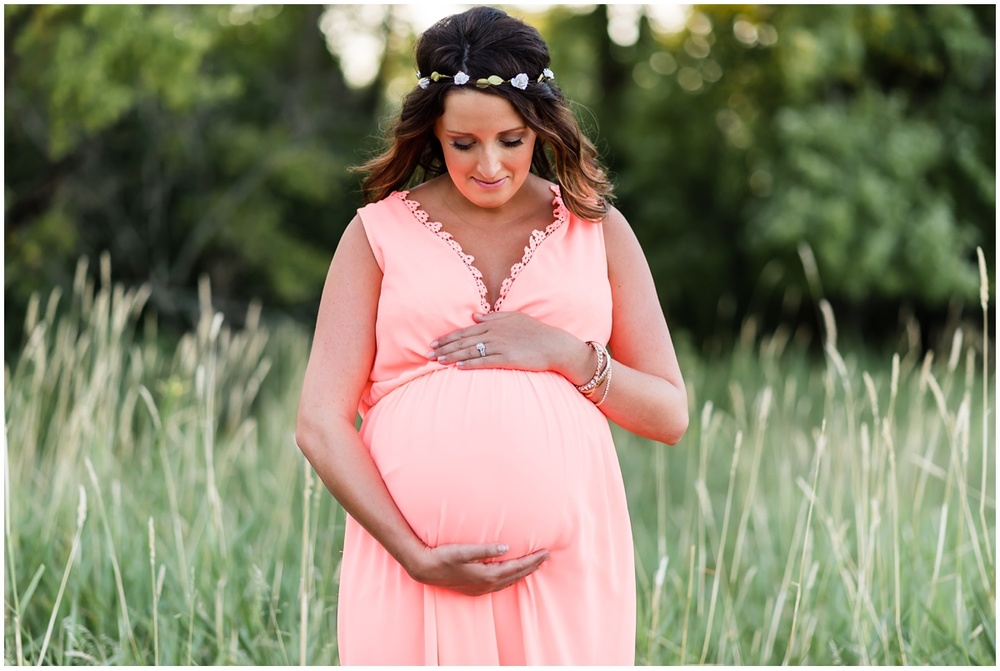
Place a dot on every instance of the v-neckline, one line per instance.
(559, 216)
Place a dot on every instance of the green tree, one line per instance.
(184, 140)
(882, 156)
(190, 140)
(866, 133)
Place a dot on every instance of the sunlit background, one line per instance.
(748, 143)
(358, 40)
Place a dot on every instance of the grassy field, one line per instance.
(835, 509)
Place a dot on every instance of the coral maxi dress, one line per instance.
(489, 455)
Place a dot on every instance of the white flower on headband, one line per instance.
(520, 81)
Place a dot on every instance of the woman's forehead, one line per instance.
(468, 108)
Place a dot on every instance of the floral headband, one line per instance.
(520, 81)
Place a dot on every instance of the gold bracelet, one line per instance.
(599, 373)
(599, 377)
(607, 387)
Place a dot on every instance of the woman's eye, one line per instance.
(510, 144)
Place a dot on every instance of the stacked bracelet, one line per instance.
(601, 374)
(607, 386)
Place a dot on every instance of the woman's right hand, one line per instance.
(466, 569)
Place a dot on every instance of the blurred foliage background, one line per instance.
(750, 144)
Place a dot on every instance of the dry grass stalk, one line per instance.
(81, 517)
(820, 446)
(719, 562)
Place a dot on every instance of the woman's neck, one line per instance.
(523, 205)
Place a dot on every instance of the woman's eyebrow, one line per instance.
(462, 132)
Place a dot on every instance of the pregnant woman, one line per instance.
(487, 312)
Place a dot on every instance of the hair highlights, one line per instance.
(484, 42)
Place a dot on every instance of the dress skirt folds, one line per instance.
(487, 456)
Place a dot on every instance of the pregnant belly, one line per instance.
(491, 456)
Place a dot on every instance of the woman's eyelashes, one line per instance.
(510, 144)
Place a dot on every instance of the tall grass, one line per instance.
(191, 552)
(817, 512)
(839, 513)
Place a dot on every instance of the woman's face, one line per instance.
(487, 146)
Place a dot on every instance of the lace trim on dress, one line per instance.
(559, 216)
(435, 227)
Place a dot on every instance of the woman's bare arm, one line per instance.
(647, 394)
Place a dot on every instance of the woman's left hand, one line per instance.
(516, 340)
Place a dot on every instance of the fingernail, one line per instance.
(502, 548)
(429, 355)
(434, 344)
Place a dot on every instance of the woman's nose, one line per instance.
(489, 164)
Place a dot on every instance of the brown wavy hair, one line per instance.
(481, 42)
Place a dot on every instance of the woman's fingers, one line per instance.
(463, 344)
(500, 575)
(466, 347)
(466, 568)
(508, 340)
(460, 334)
(515, 569)
(458, 348)
(471, 553)
(464, 351)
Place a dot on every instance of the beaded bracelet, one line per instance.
(601, 354)
(602, 376)
(607, 387)
(600, 373)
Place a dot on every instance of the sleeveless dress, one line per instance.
(486, 456)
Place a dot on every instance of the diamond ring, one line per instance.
(482, 349)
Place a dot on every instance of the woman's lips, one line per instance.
(490, 185)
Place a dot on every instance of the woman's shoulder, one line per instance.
(389, 200)
(591, 210)
(542, 187)
(615, 221)
(429, 189)
(389, 208)
(620, 241)
(382, 220)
